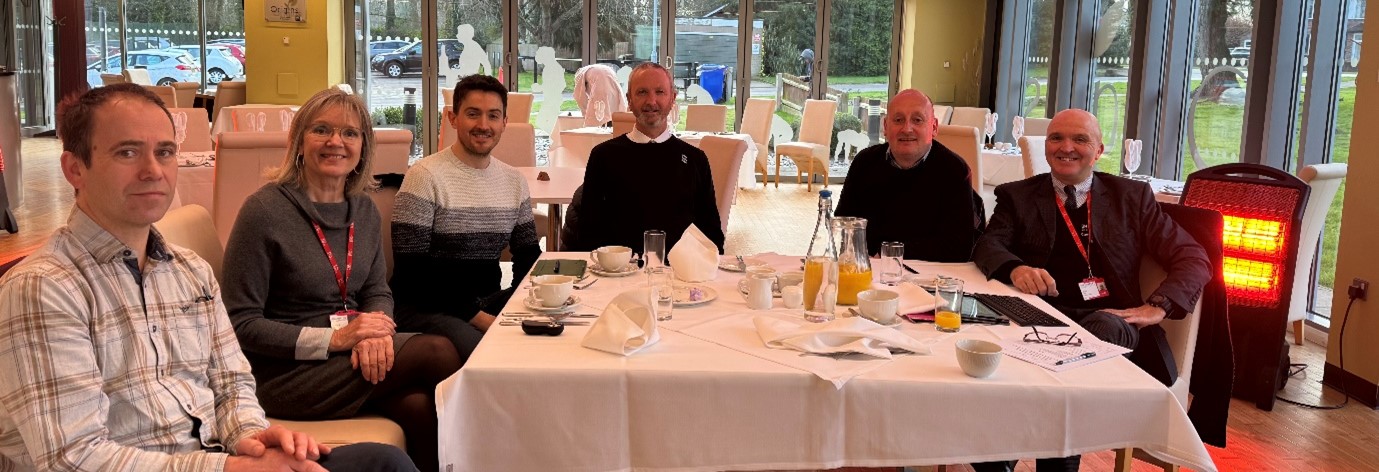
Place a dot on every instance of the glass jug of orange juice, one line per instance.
(854, 264)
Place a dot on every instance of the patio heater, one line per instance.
(1262, 209)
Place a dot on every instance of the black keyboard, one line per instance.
(1019, 311)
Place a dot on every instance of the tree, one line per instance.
(788, 30)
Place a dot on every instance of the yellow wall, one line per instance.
(309, 62)
(938, 31)
(1357, 255)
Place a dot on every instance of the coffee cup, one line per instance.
(612, 258)
(792, 296)
(878, 305)
(552, 291)
(978, 358)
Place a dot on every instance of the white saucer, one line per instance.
(682, 294)
(598, 270)
(729, 263)
(536, 306)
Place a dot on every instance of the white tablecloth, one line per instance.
(999, 167)
(195, 183)
(686, 403)
(224, 121)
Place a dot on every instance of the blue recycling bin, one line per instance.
(711, 78)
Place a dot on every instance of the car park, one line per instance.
(220, 63)
(379, 47)
(164, 67)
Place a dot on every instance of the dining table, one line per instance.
(556, 191)
(195, 179)
(710, 395)
(225, 121)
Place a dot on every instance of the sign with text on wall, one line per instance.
(289, 11)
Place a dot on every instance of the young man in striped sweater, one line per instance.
(455, 213)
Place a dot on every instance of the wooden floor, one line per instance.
(1290, 438)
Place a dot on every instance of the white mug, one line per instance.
(792, 296)
(878, 305)
(612, 258)
(552, 290)
(759, 290)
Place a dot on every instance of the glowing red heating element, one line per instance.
(1257, 221)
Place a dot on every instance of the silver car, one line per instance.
(164, 67)
(220, 63)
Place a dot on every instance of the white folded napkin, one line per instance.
(626, 326)
(913, 299)
(840, 336)
(694, 257)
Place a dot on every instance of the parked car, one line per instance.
(235, 41)
(379, 47)
(139, 43)
(235, 50)
(220, 64)
(93, 54)
(408, 59)
(164, 67)
(1242, 52)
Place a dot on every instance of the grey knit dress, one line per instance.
(279, 283)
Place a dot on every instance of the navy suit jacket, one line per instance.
(1127, 224)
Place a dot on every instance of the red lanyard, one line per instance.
(1071, 229)
(342, 281)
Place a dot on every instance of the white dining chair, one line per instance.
(1032, 153)
(756, 122)
(725, 159)
(1037, 126)
(1325, 180)
(810, 152)
(706, 118)
(943, 113)
(965, 141)
(969, 116)
(196, 132)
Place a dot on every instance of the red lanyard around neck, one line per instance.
(1073, 229)
(342, 280)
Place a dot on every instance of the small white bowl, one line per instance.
(978, 358)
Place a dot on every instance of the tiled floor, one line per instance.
(1290, 438)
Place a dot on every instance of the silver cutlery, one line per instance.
(741, 264)
(582, 287)
(520, 315)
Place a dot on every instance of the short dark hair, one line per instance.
(479, 83)
(75, 115)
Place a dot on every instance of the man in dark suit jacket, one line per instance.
(1076, 238)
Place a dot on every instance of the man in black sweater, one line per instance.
(912, 189)
(646, 179)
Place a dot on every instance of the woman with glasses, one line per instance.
(306, 287)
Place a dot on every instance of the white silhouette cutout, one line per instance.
(472, 57)
(624, 75)
(699, 94)
(849, 139)
(780, 130)
(551, 87)
(452, 74)
(179, 125)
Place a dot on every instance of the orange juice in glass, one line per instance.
(947, 304)
(815, 278)
(852, 281)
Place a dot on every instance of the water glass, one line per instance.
(653, 248)
(892, 256)
(662, 282)
(948, 304)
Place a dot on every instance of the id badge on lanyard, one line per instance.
(1092, 287)
(342, 317)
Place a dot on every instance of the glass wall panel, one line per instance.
(102, 40)
(1345, 112)
(395, 58)
(706, 39)
(163, 37)
(470, 36)
(1111, 47)
(784, 32)
(549, 50)
(1218, 83)
(859, 59)
(1041, 21)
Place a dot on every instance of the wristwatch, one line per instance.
(1163, 303)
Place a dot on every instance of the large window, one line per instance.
(1218, 83)
(1111, 47)
(164, 38)
(1036, 89)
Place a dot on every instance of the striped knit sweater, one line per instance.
(450, 225)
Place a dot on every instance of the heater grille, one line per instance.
(1258, 220)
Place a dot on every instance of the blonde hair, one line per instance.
(290, 172)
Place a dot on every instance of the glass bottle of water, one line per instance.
(821, 265)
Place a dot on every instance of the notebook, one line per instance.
(570, 267)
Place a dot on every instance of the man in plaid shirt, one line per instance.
(115, 350)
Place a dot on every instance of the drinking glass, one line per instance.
(892, 255)
(662, 282)
(948, 304)
(653, 248)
